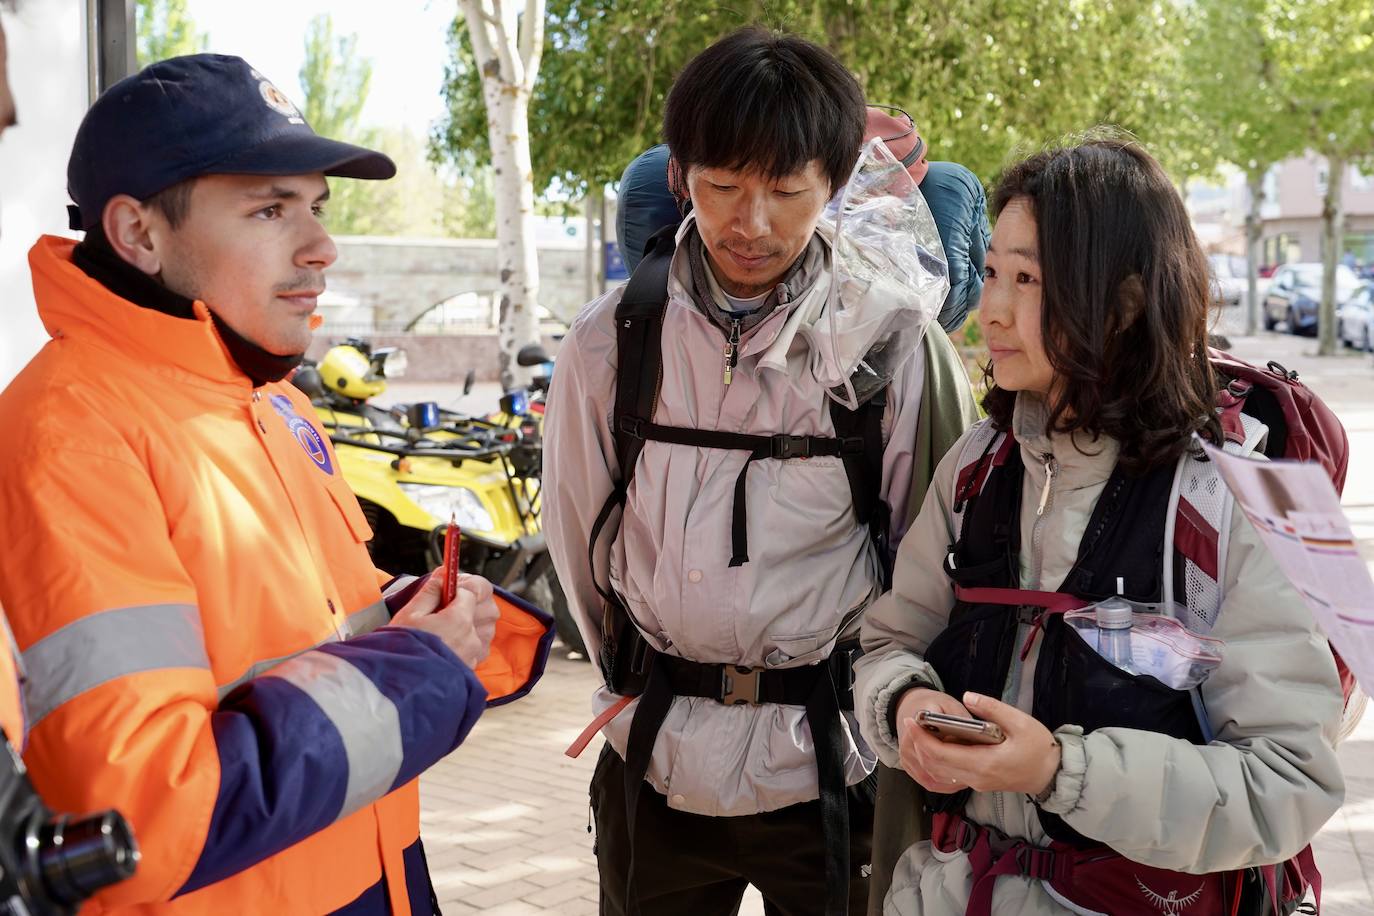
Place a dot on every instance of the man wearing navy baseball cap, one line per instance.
(207, 644)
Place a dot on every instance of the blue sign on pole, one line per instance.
(614, 263)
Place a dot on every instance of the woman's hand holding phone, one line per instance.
(912, 738)
(1026, 761)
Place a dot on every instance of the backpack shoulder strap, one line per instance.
(639, 347)
(865, 469)
(983, 447)
(639, 363)
(1197, 528)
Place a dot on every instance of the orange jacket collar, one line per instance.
(74, 306)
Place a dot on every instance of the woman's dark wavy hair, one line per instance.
(766, 101)
(1126, 294)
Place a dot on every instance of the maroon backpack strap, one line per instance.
(1052, 602)
(984, 449)
(1307, 867)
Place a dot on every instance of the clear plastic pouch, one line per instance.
(1159, 646)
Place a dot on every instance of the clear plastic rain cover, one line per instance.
(890, 277)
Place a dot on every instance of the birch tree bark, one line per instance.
(507, 41)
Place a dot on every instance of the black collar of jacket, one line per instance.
(99, 261)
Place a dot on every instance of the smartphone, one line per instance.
(960, 729)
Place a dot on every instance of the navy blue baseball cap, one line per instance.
(203, 114)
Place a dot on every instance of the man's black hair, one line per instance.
(763, 101)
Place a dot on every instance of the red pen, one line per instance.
(452, 537)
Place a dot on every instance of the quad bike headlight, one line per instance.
(458, 503)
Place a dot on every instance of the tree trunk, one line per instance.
(1333, 236)
(1253, 230)
(517, 257)
(601, 240)
(589, 287)
(507, 40)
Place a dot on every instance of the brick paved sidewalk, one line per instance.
(505, 817)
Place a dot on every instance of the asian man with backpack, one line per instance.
(730, 443)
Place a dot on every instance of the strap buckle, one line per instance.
(1036, 862)
(852, 445)
(785, 446)
(632, 426)
(739, 685)
(966, 836)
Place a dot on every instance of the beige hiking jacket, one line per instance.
(1256, 795)
(812, 568)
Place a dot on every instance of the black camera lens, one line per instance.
(77, 857)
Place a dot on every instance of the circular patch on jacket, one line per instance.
(304, 431)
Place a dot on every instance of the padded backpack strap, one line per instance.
(639, 346)
(865, 470)
(639, 363)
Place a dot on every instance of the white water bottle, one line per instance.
(1114, 617)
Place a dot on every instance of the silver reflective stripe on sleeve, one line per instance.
(365, 719)
(368, 619)
(399, 584)
(359, 622)
(258, 669)
(108, 645)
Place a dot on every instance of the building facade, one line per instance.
(62, 53)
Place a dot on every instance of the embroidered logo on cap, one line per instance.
(277, 100)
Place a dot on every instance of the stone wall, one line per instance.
(398, 280)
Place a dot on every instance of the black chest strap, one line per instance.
(781, 447)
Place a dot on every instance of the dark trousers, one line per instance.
(694, 865)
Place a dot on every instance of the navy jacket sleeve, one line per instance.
(326, 733)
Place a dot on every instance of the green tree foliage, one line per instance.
(1230, 58)
(165, 30)
(335, 79)
(1272, 78)
(981, 78)
(1327, 81)
(1231, 62)
(419, 201)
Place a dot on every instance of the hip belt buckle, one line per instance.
(739, 685)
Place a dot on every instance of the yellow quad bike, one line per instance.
(416, 467)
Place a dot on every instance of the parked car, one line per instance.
(1355, 323)
(1229, 280)
(1295, 295)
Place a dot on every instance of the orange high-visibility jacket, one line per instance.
(202, 630)
(11, 700)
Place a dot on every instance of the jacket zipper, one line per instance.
(1012, 689)
(1051, 469)
(732, 350)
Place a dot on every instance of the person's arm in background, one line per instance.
(948, 409)
(124, 704)
(959, 205)
(580, 465)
